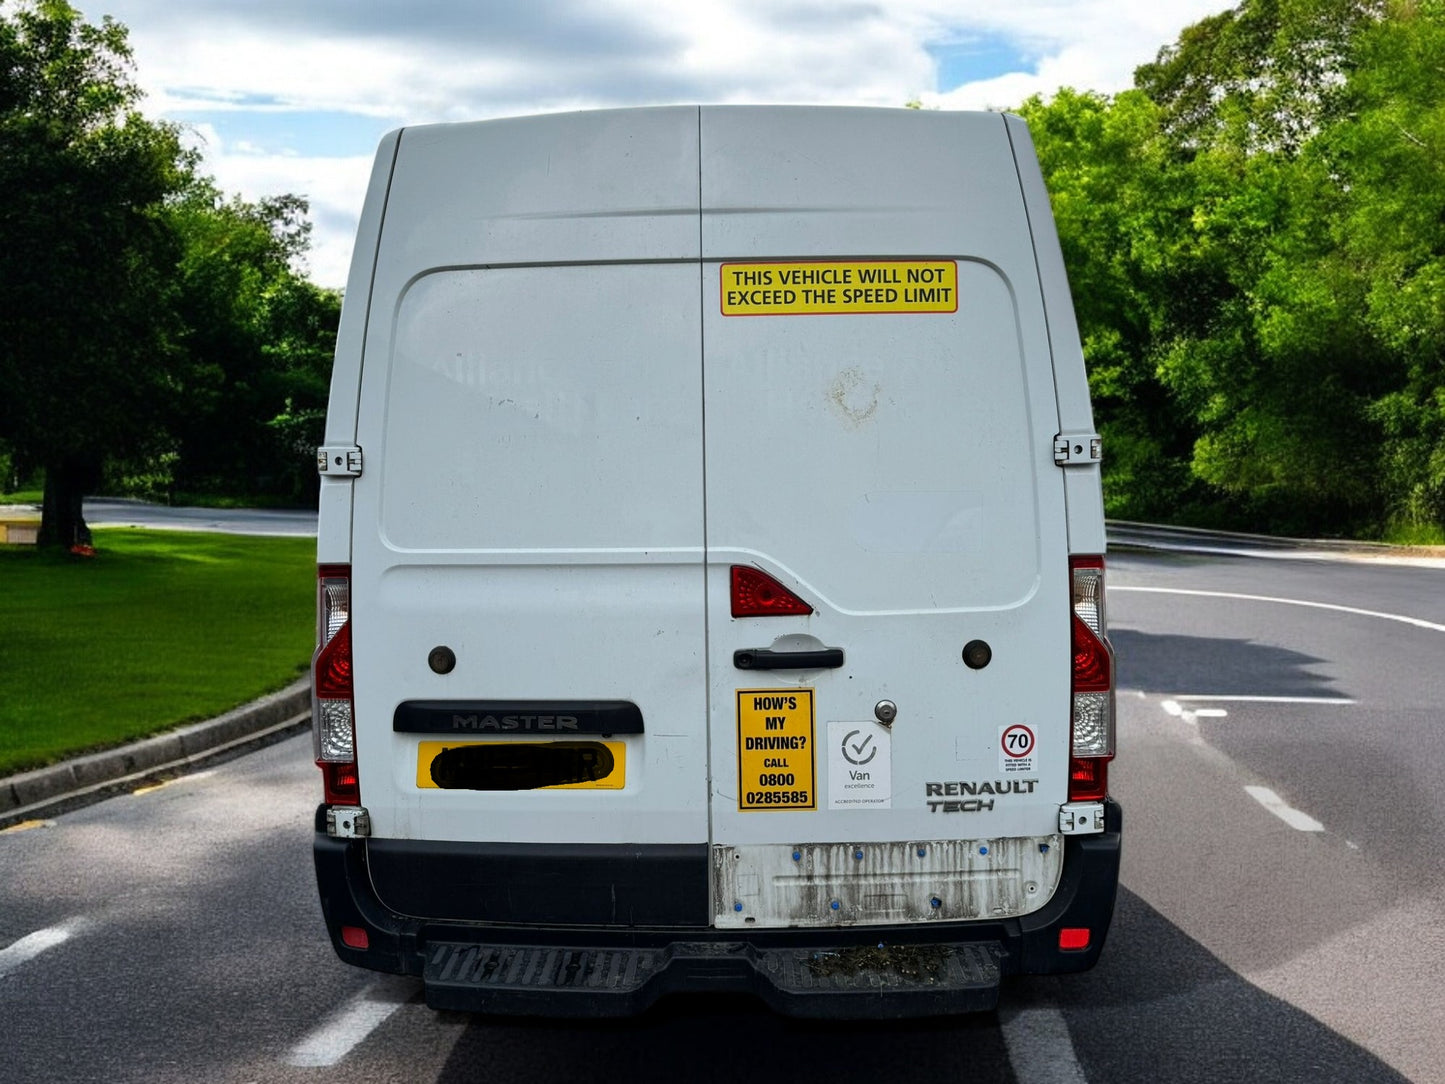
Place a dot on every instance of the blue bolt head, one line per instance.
(983, 850)
(935, 903)
(922, 852)
(797, 856)
(1043, 848)
(835, 905)
(737, 907)
(858, 855)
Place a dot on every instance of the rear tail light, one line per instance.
(1093, 684)
(756, 594)
(333, 708)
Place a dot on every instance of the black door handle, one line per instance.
(762, 658)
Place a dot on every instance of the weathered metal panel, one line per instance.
(845, 884)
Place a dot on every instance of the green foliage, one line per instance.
(153, 333)
(162, 628)
(1256, 243)
(87, 354)
(259, 339)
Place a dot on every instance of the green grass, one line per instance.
(160, 628)
(1415, 534)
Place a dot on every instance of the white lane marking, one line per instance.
(1179, 711)
(33, 944)
(1039, 1047)
(1417, 622)
(334, 1039)
(1264, 699)
(1173, 707)
(1276, 805)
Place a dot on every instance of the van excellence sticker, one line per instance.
(820, 288)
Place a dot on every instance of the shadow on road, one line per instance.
(1159, 1008)
(1215, 666)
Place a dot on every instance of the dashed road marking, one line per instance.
(33, 944)
(1173, 706)
(1214, 698)
(336, 1038)
(1191, 715)
(1277, 805)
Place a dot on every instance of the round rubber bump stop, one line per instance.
(977, 654)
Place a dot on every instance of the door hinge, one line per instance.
(1077, 449)
(339, 460)
(348, 822)
(1081, 818)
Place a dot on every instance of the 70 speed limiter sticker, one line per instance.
(1016, 748)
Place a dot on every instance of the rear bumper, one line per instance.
(919, 969)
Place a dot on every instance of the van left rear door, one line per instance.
(532, 502)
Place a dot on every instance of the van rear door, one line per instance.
(532, 504)
(880, 416)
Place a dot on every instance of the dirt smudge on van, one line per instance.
(918, 963)
(855, 401)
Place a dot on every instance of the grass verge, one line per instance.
(161, 628)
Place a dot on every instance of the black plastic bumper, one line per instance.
(840, 972)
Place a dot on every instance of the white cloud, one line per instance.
(239, 69)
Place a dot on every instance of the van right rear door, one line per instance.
(879, 425)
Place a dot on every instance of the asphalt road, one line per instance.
(1281, 917)
(111, 512)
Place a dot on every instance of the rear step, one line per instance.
(842, 983)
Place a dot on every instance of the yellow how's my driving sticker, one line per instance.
(775, 749)
(823, 287)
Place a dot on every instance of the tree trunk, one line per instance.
(62, 519)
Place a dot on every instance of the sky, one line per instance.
(293, 95)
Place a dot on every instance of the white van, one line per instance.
(711, 590)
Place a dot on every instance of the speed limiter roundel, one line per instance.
(1016, 749)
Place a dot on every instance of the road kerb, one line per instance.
(96, 776)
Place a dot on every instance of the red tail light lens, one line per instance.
(333, 666)
(340, 783)
(1093, 683)
(756, 594)
(1088, 779)
(333, 710)
(1093, 669)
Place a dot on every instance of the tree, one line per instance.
(1263, 76)
(1256, 241)
(258, 341)
(87, 351)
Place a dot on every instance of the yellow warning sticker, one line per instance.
(775, 749)
(815, 288)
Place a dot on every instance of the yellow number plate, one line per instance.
(504, 766)
(775, 749)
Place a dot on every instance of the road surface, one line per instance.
(1281, 915)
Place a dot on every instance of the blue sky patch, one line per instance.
(971, 59)
(313, 134)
